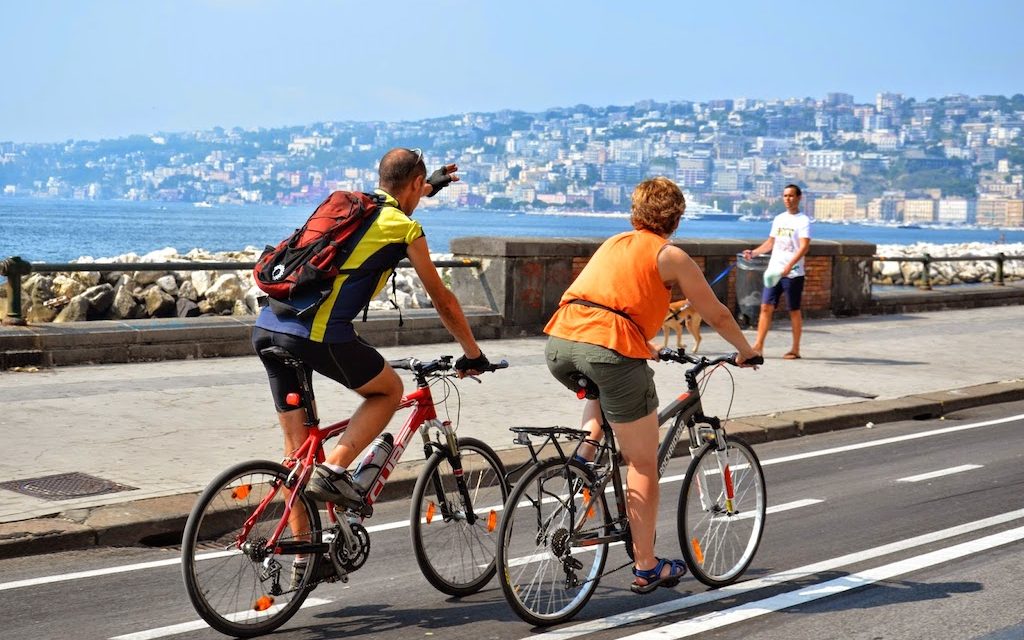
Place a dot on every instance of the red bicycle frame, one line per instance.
(311, 452)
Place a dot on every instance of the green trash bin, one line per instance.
(749, 286)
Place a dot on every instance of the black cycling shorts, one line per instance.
(352, 363)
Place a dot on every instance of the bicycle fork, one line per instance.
(715, 435)
(451, 449)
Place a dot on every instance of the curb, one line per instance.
(159, 521)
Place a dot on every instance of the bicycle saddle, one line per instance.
(282, 354)
(585, 387)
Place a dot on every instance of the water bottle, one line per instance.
(368, 470)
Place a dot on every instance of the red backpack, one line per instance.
(309, 259)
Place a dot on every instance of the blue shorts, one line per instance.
(794, 288)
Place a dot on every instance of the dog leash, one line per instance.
(675, 314)
(723, 274)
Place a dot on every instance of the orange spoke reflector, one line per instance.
(492, 521)
(242, 492)
(431, 510)
(729, 491)
(590, 505)
(263, 603)
(698, 555)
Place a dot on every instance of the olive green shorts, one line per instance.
(626, 384)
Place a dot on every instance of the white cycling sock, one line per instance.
(333, 467)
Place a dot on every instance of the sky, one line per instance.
(100, 69)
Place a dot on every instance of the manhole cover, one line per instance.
(64, 485)
(838, 391)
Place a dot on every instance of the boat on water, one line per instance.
(202, 205)
(701, 211)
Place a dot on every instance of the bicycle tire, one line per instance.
(456, 557)
(535, 552)
(718, 544)
(230, 590)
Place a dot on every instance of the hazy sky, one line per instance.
(94, 69)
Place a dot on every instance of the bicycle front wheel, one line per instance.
(454, 532)
(721, 512)
(235, 585)
(548, 571)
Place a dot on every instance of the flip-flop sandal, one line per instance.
(654, 578)
(789, 355)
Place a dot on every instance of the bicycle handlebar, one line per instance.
(704, 362)
(442, 364)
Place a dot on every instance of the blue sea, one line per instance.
(41, 230)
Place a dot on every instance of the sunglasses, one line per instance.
(417, 152)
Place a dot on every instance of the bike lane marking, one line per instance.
(734, 615)
(405, 523)
(740, 588)
(197, 625)
(941, 472)
(884, 441)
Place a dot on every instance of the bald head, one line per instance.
(399, 167)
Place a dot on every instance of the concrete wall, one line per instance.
(524, 278)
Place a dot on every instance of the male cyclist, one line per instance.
(328, 343)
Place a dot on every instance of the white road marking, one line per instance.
(718, 619)
(398, 525)
(892, 440)
(196, 625)
(799, 573)
(941, 472)
(796, 504)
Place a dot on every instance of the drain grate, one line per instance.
(839, 391)
(63, 486)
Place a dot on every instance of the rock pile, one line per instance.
(137, 292)
(946, 273)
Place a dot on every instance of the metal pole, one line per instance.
(13, 269)
(926, 262)
(999, 268)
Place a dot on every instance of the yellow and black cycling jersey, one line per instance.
(383, 245)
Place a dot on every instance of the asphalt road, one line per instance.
(904, 530)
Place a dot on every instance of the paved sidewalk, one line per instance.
(167, 428)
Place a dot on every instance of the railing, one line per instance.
(926, 260)
(14, 269)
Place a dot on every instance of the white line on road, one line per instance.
(892, 440)
(404, 523)
(790, 575)
(719, 619)
(941, 472)
(196, 625)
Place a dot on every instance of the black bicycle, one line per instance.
(556, 529)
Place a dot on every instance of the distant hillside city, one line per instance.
(951, 160)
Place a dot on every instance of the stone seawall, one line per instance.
(135, 291)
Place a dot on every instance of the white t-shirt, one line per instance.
(788, 229)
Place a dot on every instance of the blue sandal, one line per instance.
(654, 579)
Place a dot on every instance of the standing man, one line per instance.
(789, 240)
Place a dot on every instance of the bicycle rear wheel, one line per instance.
(456, 556)
(233, 583)
(721, 512)
(545, 575)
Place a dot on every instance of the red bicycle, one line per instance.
(254, 516)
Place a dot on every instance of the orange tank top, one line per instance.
(622, 275)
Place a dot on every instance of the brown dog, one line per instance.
(681, 313)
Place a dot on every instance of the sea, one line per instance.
(50, 230)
